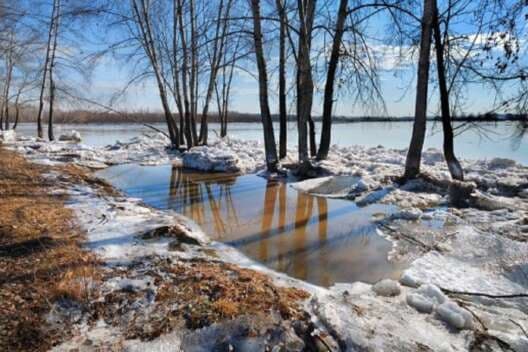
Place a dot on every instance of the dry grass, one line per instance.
(39, 252)
(214, 291)
(196, 294)
(79, 284)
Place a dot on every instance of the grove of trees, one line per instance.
(299, 52)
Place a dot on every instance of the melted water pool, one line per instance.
(319, 240)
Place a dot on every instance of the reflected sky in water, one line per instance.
(316, 239)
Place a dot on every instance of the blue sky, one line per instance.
(397, 85)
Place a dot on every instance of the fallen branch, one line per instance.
(156, 129)
(520, 327)
(482, 294)
(408, 238)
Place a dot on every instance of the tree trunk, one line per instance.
(175, 70)
(311, 130)
(269, 138)
(56, 21)
(283, 129)
(194, 74)
(326, 128)
(44, 74)
(414, 155)
(305, 85)
(184, 69)
(9, 71)
(17, 111)
(453, 164)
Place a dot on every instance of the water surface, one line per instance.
(319, 240)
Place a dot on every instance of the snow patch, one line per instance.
(8, 136)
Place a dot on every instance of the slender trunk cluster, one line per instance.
(9, 66)
(40, 131)
(431, 29)
(223, 89)
(218, 57)
(142, 19)
(305, 86)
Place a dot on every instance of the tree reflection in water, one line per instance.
(313, 238)
(190, 194)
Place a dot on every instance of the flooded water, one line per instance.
(319, 240)
(487, 141)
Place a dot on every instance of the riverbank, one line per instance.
(464, 289)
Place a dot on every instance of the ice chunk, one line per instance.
(387, 288)
(433, 292)
(501, 163)
(407, 214)
(454, 315)
(72, 136)
(420, 303)
(211, 159)
(408, 280)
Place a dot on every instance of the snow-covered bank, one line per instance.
(465, 289)
(356, 316)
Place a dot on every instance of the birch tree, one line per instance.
(141, 14)
(45, 69)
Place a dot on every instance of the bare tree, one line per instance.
(9, 67)
(269, 137)
(414, 154)
(45, 69)
(449, 150)
(218, 55)
(283, 113)
(326, 128)
(56, 23)
(142, 21)
(305, 85)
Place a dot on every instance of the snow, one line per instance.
(8, 136)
